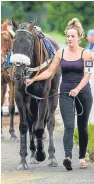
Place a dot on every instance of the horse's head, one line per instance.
(23, 48)
(6, 41)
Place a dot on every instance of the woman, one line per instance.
(76, 82)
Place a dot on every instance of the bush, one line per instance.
(90, 147)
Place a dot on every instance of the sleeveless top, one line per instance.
(72, 74)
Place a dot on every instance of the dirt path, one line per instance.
(6, 120)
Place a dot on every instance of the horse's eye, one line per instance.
(6, 40)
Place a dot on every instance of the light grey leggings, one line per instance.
(68, 115)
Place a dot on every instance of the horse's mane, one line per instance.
(36, 45)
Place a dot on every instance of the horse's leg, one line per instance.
(1, 122)
(33, 148)
(23, 129)
(12, 111)
(31, 119)
(50, 126)
(39, 129)
(52, 104)
(32, 144)
(3, 91)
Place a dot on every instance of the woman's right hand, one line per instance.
(29, 81)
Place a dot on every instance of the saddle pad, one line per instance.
(48, 45)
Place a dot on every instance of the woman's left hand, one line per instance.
(74, 92)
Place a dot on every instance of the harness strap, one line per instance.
(42, 66)
(45, 51)
(62, 53)
(82, 53)
(40, 59)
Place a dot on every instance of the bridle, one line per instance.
(6, 53)
(5, 65)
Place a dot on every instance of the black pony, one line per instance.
(29, 58)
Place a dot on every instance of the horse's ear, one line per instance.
(4, 25)
(6, 22)
(15, 26)
(32, 24)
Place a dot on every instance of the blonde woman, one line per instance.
(75, 80)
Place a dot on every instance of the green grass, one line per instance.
(90, 147)
(59, 38)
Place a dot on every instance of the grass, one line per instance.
(90, 147)
(59, 38)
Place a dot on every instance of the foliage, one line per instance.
(51, 15)
(90, 148)
(59, 38)
(65, 11)
(25, 11)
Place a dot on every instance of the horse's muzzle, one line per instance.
(18, 76)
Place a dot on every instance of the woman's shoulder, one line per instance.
(59, 53)
(86, 54)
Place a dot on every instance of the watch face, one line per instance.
(89, 64)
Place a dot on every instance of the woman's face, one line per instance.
(72, 37)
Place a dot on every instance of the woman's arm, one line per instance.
(86, 57)
(84, 81)
(49, 72)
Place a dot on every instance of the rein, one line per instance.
(40, 59)
(58, 94)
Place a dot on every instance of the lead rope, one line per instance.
(80, 105)
(58, 94)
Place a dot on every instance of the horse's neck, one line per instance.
(4, 77)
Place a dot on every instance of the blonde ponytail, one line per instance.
(75, 24)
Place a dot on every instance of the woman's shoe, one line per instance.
(67, 163)
(83, 164)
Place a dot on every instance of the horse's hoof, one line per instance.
(22, 166)
(53, 162)
(14, 139)
(40, 156)
(34, 161)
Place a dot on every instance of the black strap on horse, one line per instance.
(58, 94)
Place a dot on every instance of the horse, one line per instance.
(30, 58)
(6, 77)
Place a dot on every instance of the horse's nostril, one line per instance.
(17, 77)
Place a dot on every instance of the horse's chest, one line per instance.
(39, 88)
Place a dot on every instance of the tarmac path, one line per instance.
(40, 173)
